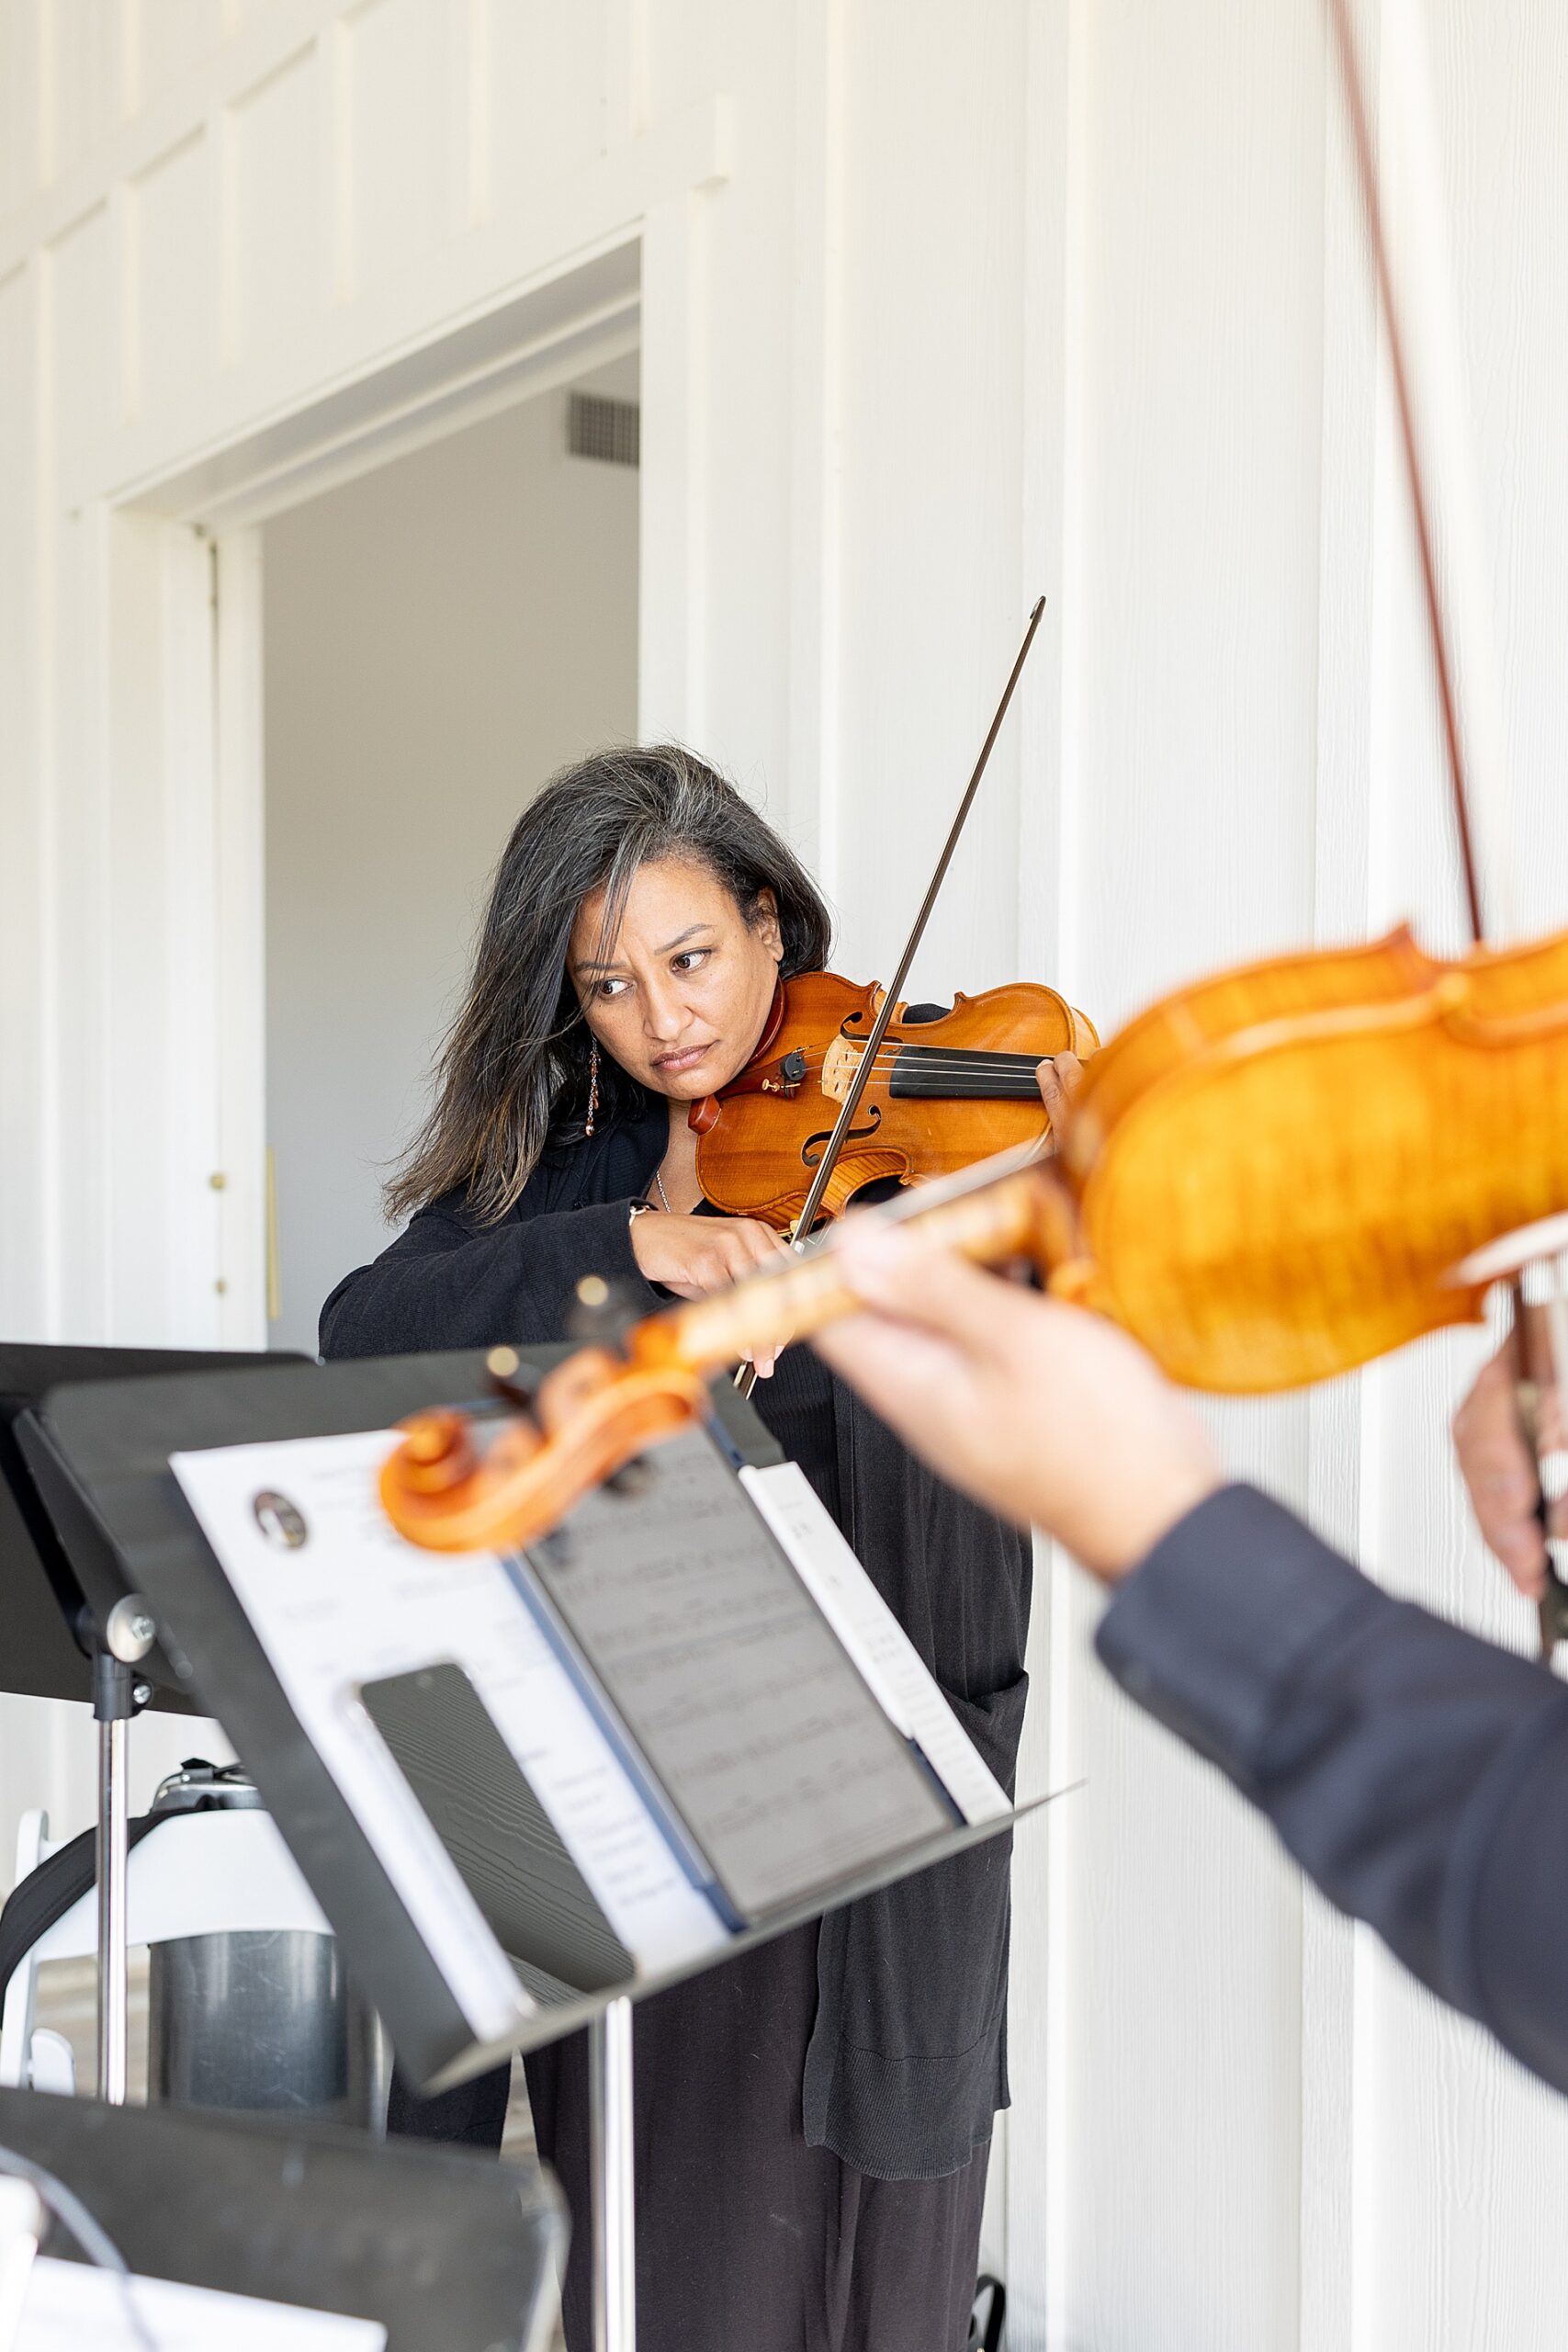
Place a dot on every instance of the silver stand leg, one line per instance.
(611, 2160)
(117, 1694)
(112, 1859)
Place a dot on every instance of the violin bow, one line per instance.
(746, 1378)
(1442, 456)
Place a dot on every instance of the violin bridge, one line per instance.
(840, 1064)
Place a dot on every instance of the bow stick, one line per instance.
(746, 1378)
(1418, 319)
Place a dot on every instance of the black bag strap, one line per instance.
(986, 2336)
(47, 1893)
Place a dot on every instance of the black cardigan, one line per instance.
(906, 2062)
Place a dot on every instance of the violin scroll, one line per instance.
(593, 1415)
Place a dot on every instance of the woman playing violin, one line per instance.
(813, 2118)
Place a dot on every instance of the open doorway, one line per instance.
(438, 636)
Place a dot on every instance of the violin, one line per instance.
(938, 1095)
(1271, 1176)
(1280, 1173)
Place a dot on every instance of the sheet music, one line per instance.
(874, 1637)
(69, 2305)
(784, 1766)
(354, 1602)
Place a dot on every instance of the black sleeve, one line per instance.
(444, 1284)
(1418, 1774)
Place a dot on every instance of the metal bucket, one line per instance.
(262, 2019)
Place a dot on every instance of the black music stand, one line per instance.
(451, 2251)
(115, 1440)
(74, 1629)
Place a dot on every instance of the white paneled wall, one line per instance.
(941, 305)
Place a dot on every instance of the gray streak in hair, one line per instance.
(513, 1072)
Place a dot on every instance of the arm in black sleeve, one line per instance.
(447, 1283)
(1418, 1774)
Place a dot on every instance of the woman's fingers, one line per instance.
(1058, 1082)
(694, 1255)
(747, 1245)
(765, 1248)
(1500, 1472)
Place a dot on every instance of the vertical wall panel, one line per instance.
(21, 85)
(1501, 80)
(543, 96)
(742, 424)
(240, 881)
(1204, 276)
(280, 229)
(1046, 1870)
(78, 945)
(396, 119)
(82, 78)
(172, 299)
(138, 915)
(171, 36)
(1463, 2136)
(931, 604)
(83, 373)
(24, 1073)
(1178, 2058)
(688, 46)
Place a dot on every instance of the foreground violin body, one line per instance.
(943, 1094)
(1276, 1171)
(1266, 1177)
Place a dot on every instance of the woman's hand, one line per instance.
(693, 1255)
(1058, 1080)
(1500, 1471)
(1046, 1413)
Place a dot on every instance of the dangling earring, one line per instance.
(592, 1087)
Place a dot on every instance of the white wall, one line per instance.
(941, 306)
(440, 635)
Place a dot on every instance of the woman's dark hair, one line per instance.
(513, 1073)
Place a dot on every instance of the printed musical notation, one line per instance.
(785, 1769)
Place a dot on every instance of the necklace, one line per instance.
(662, 1193)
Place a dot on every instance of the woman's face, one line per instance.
(681, 997)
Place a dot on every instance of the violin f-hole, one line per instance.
(812, 1149)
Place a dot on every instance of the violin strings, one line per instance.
(940, 1057)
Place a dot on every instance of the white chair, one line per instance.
(196, 1875)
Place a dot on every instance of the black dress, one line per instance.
(812, 2119)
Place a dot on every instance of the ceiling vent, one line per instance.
(610, 431)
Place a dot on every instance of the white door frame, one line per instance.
(640, 290)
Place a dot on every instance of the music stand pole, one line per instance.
(611, 2156)
(126, 1637)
